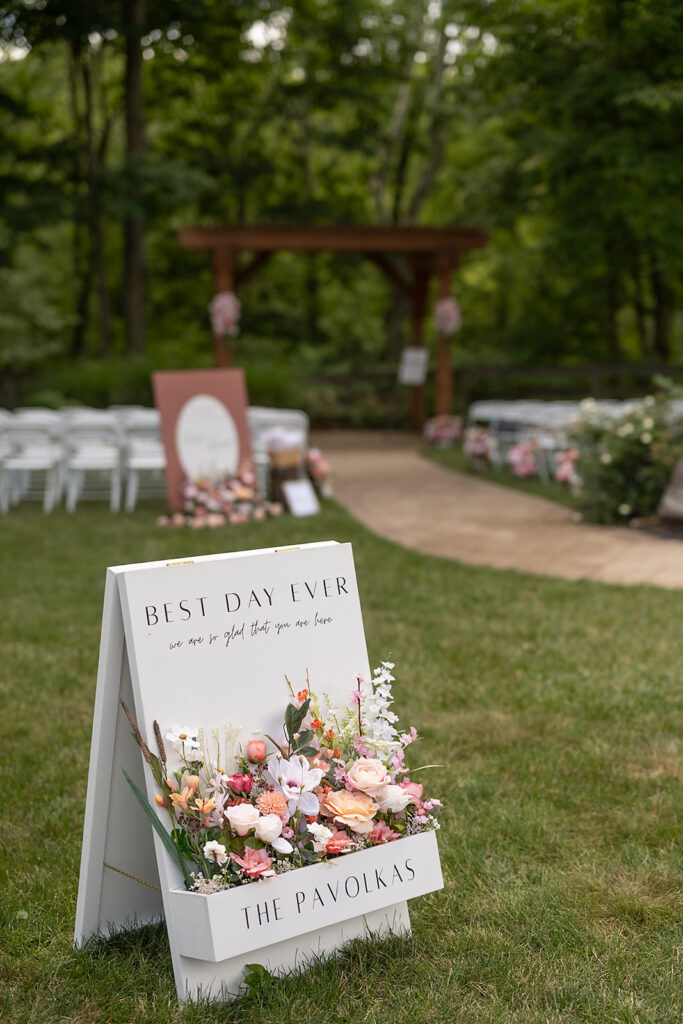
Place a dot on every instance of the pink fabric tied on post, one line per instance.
(447, 315)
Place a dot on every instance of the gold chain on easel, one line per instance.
(133, 877)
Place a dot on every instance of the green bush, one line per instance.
(625, 463)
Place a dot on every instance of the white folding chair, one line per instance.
(92, 442)
(31, 467)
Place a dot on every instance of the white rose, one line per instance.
(216, 852)
(646, 438)
(268, 827)
(393, 799)
(242, 818)
(605, 458)
(321, 836)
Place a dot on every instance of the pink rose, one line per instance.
(240, 783)
(368, 775)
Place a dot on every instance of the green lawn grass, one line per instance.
(455, 458)
(555, 707)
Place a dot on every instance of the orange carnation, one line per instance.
(273, 803)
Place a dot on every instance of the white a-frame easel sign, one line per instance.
(206, 642)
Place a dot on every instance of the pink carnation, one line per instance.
(381, 833)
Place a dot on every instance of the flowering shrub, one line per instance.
(625, 463)
(230, 500)
(443, 431)
(335, 781)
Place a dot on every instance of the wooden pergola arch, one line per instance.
(408, 256)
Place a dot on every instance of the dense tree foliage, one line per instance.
(554, 124)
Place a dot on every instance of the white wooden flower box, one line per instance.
(227, 924)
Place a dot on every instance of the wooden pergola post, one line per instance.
(443, 399)
(223, 266)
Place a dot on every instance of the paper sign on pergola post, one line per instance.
(208, 641)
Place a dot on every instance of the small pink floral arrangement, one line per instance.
(478, 444)
(318, 470)
(335, 781)
(443, 431)
(522, 459)
(231, 500)
(225, 309)
(447, 315)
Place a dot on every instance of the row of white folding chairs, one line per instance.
(77, 454)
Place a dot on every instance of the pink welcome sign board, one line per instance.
(203, 425)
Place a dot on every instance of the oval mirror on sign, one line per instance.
(206, 439)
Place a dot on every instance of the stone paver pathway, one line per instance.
(382, 479)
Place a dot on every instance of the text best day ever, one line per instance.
(232, 601)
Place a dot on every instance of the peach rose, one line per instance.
(368, 775)
(351, 808)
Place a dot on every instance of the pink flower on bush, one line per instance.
(256, 863)
(565, 467)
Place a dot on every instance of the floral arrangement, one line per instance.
(625, 462)
(447, 315)
(565, 467)
(336, 781)
(318, 470)
(478, 445)
(225, 309)
(521, 458)
(230, 500)
(443, 431)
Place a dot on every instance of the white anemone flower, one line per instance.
(186, 741)
(295, 780)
